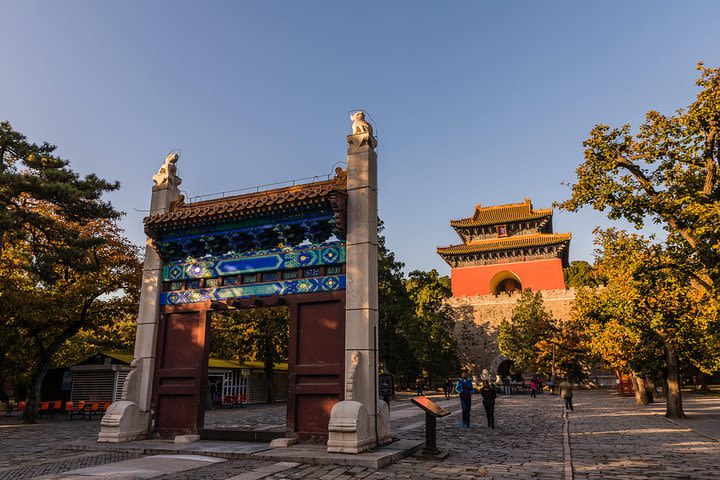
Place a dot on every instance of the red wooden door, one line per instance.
(316, 362)
(181, 372)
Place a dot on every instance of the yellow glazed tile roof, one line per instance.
(498, 214)
(506, 243)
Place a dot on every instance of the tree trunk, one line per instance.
(34, 387)
(4, 397)
(649, 390)
(652, 385)
(270, 384)
(673, 395)
(639, 388)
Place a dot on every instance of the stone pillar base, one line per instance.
(348, 430)
(352, 430)
(123, 422)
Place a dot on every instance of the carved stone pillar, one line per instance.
(361, 421)
(129, 419)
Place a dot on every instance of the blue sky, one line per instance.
(473, 102)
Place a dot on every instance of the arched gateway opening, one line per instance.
(505, 282)
(308, 247)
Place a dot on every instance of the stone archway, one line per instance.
(497, 362)
(264, 246)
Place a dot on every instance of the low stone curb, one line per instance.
(310, 454)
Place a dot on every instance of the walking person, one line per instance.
(465, 389)
(488, 398)
(566, 393)
(533, 386)
(539, 385)
(447, 388)
(419, 386)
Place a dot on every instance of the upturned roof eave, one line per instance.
(505, 244)
(250, 205)
(470, 223)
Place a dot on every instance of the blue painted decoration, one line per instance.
(289, 287)
(264, 261)
(315, 227)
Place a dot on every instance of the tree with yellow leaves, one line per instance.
(645, 319)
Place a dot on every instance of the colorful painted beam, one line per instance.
(213, 267)
(288, 287)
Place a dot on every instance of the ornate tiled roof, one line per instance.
(507, 243)
(499, 214)
(306, 195)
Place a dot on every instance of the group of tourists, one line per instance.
(466, 389)
(536, 386)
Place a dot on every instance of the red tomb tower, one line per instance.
(506, 248)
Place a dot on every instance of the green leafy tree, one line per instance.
(31, 174)
(260, 334)
(430, 337)
(579, 274)
(533, 338)
(666, 174)
(395, 311)
(46, 303)
(117, 335)
(415, 324)
(530, 324)
(64, 262)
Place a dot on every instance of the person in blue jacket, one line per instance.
(465, 390)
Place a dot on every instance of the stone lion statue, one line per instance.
(168, 168)
(359, 124)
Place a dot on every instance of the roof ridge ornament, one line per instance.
(167, 174)
(359, 124)
(361, 139)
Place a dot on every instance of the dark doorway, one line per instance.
(509, 285)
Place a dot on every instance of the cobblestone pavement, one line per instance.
(250, 417)
(610, 438)
(23, 444)
(527, 443)
(29, 451)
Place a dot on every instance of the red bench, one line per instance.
(92, 408)
(75, 408)
(51, 408)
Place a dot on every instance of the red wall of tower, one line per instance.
(535, 275)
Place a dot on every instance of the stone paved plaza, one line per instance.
(609, 438)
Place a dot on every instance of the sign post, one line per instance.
(386, 386)
(433, 411)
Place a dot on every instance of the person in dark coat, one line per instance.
(488, 395)
(448, 388)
